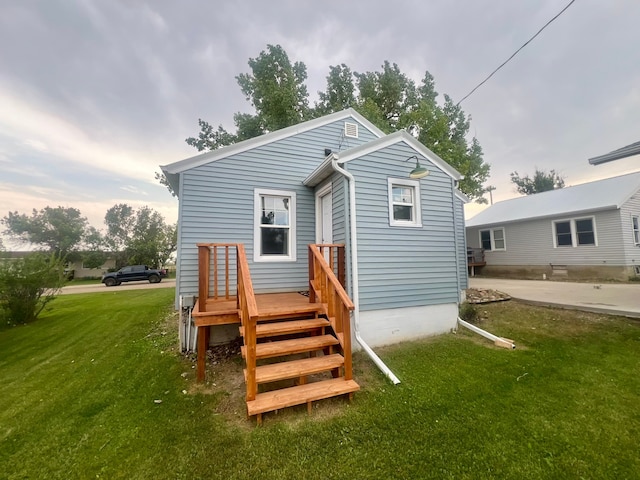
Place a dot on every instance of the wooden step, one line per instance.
(290, 347)
(288, 327)
(300, 394)
(297, 368)
(288, 311)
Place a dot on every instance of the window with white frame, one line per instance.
(636, 230)
(493, 239)
(574, 232)
(275, 225)
(404, 203)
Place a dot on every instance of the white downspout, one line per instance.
(354, 273)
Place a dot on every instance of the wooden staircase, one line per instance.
(295, 352)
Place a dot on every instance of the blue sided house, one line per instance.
(311, 238)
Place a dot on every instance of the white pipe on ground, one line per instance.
(354, 273)
(498, 340)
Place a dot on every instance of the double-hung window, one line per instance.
(636, 230)
(275, 225)
(574, 232)
(493, 239)
(404, 203)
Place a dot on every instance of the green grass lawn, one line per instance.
(79, 390)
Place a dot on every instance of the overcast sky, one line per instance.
(94, 95)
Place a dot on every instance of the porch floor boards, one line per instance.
(223, 311)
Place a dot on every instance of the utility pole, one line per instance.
(490, 189)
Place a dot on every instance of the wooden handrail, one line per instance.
(248, 318)
(324, 287)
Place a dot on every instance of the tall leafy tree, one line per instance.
(542, 181)
(139, 236)
(59, 230)
(388, 98)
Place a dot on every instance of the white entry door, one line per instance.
(324, 216)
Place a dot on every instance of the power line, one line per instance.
(516, 52)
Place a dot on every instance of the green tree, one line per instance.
(28, 284)
(387, 98)
(59, 230)
(139, 236)
(541, 182)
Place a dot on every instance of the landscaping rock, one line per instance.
(485, 295)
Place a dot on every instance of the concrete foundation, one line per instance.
(595, 273)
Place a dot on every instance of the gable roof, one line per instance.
(325, 168)
(173, 169)
(588, 197)
(624, 152)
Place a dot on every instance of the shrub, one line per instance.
(28, 284)
(469, 313)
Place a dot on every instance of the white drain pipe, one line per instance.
(354, 273)
(499, 341)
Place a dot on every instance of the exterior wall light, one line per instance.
(419, 171)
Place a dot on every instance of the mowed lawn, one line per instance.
(97, 389)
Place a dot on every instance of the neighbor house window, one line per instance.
(574, 232)
(275, 225)
(493, 239)
(404, 203)
(636, 230)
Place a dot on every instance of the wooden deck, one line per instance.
(224, 311)
(291, 338)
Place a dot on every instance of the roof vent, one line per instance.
(350, 129)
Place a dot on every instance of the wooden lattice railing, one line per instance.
(210, 257)
(325, 288)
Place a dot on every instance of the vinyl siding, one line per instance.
(403, 266)
(627, 210)
(217, 204)
(531, 243)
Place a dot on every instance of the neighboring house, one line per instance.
(80, 271)
(624, 152)
(585, 231)
(76, 266)
(279, 192)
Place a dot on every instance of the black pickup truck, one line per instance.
(133, 273)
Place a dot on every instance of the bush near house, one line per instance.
(28, 284)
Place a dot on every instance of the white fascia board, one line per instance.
(321, 172)
(461, 196)
(267, 138)
(574, 213)
(397, 137)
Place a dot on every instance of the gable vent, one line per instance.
(350, 129)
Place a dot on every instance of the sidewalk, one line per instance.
(612, 299)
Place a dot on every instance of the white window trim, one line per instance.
(635, 232)
(257, 215)
(415, 184)
(491, 235)
(574, 233)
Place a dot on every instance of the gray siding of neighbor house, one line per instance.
(461, 244)
(217, 204)
(630, 208)
(531, 243)
(403, 266)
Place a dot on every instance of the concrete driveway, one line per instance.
(618, 299)
(99, 287)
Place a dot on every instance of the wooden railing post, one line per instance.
(204, 257)
(311, 260)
